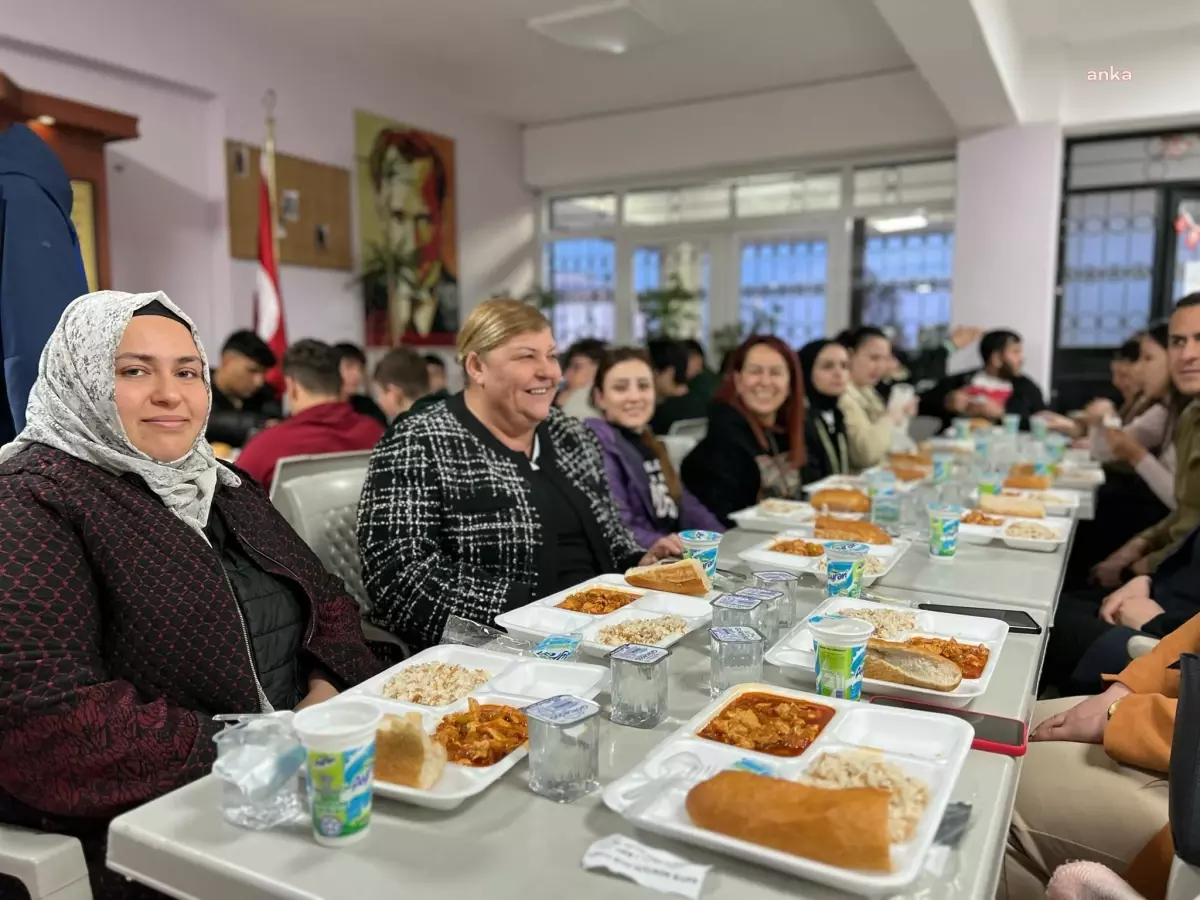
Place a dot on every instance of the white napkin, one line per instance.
(655, 869)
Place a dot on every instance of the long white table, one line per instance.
(510, 843)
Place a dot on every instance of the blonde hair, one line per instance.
(495, 322)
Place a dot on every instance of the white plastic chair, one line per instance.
(51, 866)
(1139, 645)
(694, 428)
(678, 446)
(922, 428)
(290, 467)
(1184, 883)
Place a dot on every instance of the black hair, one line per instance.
(406, 369)
(1159, 332)
(1129, 351)
(693, 346)
(853, 338)
(347, 350)
(996, 342)
(665, 354)
(593, 348)
(250, 345)
(315, 365)
(1192, 299)
(155, 308)
(432, 359)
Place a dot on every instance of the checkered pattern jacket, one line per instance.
(447, 524)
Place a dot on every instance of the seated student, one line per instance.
(924, 368)
(1139, 487)
(579, 371)
(754, 448)
(825, 365)
(702, 381)
(870, 424)
(321, 422)
(176, 591)
(1076, 801)
(352, 365)
(241, 402)
(992, 391)
(492, 499)
(676, 402)
(643, 481)
(1143, 554)
(437, 376)
(402, 383)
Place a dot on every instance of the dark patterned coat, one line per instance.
(447, 524)
(120, 638)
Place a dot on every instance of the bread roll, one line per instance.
(841, 500)
(911, 460)
(687, 576)
(831, 528)
(1028, 482)
(847, 828)
(1022, 507)
(405, 754)
(900, 664)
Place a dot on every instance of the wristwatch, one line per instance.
(1112, 707)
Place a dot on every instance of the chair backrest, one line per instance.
(922, 428)
(678, 446)
(323, 508)
(696, 428)
(290, 467)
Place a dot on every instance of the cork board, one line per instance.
(313, 205)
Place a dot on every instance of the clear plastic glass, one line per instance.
(788, 584)
(639, 685)
(258, 765)
(564, 748)
(736, 611)
(737, 658)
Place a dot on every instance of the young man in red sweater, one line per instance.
(320, 421)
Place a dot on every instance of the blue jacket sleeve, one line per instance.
(41, 272)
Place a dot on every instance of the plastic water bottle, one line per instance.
(885, 504)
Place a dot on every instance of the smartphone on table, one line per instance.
(993, 734)
(1018, 621)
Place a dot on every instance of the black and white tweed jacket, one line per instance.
(446, 523)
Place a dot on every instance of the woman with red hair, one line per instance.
(755, 443)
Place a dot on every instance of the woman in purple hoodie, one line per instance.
(653, 502)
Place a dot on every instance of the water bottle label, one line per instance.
(640, 653)
(764, 595)
(737, 601)
(562, 710)
(776, 577)
(735, 634)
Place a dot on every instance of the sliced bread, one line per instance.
(686, 576)
(899, 664)
(405, 754)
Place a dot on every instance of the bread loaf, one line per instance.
(687, 576)
(405, 754)
(1003, 505)
(900, 664)
(841, 500)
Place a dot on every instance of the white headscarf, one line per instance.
(73, 406)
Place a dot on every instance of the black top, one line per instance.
(365, 406)
(1025, 400)
(275, 613)
(666, 510)
(572, 550)
(729, 470)
(825, 445)
(231, 424)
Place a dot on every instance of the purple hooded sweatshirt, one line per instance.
(631, 489)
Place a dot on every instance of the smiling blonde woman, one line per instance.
(493, 498)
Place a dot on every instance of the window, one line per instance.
(1108, 271)
(700, 203)
(654, 268)
(1187, 247)
(783, 289)
(906, 285)
(1134, 161)
(905, 185)
(786, 193)
(581, 272)
(583, 213)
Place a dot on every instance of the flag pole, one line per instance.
(269, 150)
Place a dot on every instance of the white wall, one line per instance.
(1006, 237)
(857, 115)
(194, 80)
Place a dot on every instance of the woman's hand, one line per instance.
(1083, 723)
(319, 690)
(1137, 612)
(1136, 590)
(1123, 446)
(1098, 410)
(668, 545)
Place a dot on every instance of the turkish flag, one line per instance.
(269, 321)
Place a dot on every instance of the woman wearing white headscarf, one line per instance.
(144, 586)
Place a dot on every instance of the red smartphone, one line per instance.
(993, 734)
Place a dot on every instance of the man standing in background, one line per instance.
(41, 270)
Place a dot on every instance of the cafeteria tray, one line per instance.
(794, 651)
(927, 746)
(762, 517)
(541, 618)
(985, 534)
(759, 555)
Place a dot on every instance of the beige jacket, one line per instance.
(868, 428)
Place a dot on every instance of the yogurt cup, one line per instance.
(943, 464)
(1038, 428)
(1012, 423)
(339, 742)
(701, 545)
(962, 429)
(840, 648)
(943, 530)
(844, 564)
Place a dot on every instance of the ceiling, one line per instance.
(1079, 23)
(482, 51)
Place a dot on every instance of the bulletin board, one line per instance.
(313, 206)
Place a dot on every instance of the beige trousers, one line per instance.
(1075, 802)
